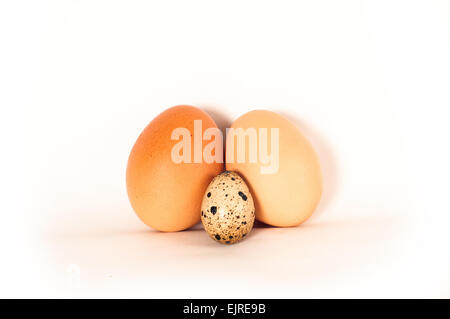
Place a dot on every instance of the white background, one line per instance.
(367, 82)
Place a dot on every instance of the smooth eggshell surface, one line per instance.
(165, 195)
(228, 212)
(289, 196)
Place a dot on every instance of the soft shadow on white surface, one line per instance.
(316, 259)
(222, 120)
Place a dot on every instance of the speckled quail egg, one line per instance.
(228, 211)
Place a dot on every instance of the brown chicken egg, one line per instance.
(165, 192)
(279, 165)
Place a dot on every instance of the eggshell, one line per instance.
(228, 212)
(165, 195)
(289, 196)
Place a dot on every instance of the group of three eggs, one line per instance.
(265, 169)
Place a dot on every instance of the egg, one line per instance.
(166, 194)
(228, 212)
(279, 165)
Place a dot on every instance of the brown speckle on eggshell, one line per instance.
(228, 211)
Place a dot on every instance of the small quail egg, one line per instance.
(228, 211)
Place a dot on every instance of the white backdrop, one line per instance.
(366, 81)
